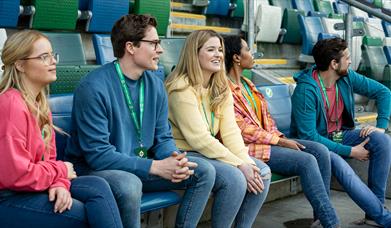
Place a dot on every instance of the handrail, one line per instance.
(382, 15)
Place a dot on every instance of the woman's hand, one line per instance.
(62, 197)
(254, 181)
(289, 143)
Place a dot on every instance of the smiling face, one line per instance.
(210, 56)
(35, 69)
(145, 55)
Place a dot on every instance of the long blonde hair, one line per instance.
(189, 67)
(17, 47)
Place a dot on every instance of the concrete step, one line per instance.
(185, 29)
(187, 18)
(366, 117)
(179, 6)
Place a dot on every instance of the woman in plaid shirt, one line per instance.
(307, 159)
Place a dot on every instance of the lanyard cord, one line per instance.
(212, 117)
(326, 97)
(137, 122)
(247, 88)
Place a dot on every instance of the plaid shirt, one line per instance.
(257, 134)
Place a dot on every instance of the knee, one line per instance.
(235, 181)
(204, 171)
(380, 140)
(128, 187)
(307, 163)
(265, 171)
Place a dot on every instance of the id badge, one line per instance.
(142, 152)
(337, 136)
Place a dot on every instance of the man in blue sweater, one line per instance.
(120, 129)
(323, 111)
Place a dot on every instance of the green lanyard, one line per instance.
(326, 97)
(125, 90)
(250, 94)
(212, 117)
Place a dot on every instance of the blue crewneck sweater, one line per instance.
(103, 135)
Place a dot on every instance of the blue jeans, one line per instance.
(314, 169)
(128, 188)
(93, 206)
(369, 198)
(232, 202)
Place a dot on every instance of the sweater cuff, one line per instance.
(382, 123)
(145, 167)
(344, 150)
(274, 140)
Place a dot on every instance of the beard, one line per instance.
(341, 72)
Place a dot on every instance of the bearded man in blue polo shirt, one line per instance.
(120, 129)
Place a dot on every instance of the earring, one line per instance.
(238, 63)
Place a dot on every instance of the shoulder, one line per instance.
(13, 107)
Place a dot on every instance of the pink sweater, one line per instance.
(22, 147)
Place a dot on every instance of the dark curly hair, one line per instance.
(326, 50)
(132, 28)
(233, 45)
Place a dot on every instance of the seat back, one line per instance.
(49, 14)
(310, 29)
(330, 26)
(268, 30)
(324, 6)
(9, 13)
(160, 9)
(69, 47)
(374, 57)
(278, 98)
(341, 7)
(304, 5)
(172, 49)
(283, 4)
(239, 10)
(387, 28)
(105, 13)
(61, 107)
(218, 7)
(68, 77)
(374, 28)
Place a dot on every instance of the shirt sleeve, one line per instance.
(18, 169)
(93, 134)
(163, 144)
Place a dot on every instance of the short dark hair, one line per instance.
(233, 45)
(132, 28)
(326, 50)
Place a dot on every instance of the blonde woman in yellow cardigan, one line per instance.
(202, 116)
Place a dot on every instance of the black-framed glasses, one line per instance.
(46, 58)
(155, 42)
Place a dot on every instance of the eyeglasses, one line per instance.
(46, 58)
(155, 42)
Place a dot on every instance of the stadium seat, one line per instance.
(104, 52)
(387, 49)
(279, 102)
(83, 4)
(341, 7)
(218, 7)
(268, 30)
(387, 28)
(172, 49)
(61, 107)
(9, 13)
(356, 53)
(69, 47)
(159, 9)
(290, 21)
(325, 7)
(387, 76)
(103, 14)
(331, 25)
(239, 9)
(304, 5)
(68, 77)
(310, 27)
(59, 15)
(374, 57)
(374, 28)
(359, 13)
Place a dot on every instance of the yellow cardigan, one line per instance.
(191, 131)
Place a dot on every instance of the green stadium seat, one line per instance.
(387, 76)
(239, 9)
(374, 57)
(68, 77)
(59, 15)
(170, 57)
(69, 47)
(160, 9)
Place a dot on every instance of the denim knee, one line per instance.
(234, 181)
(323, 153)
(265, 169)
(381, 140)
(204, 171)
(307, 163)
